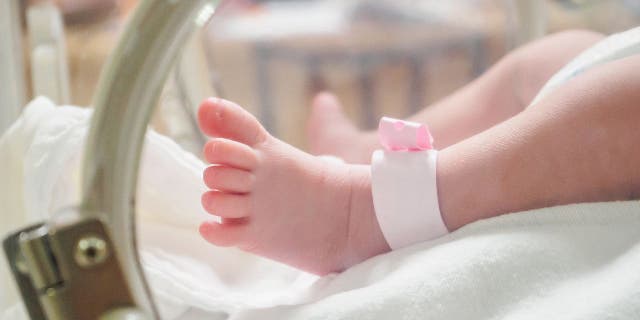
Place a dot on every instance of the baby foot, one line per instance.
(330, 132)
(281, 203)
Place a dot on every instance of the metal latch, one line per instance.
(67, 270)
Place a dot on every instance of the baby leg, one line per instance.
(577, 145)
(502, 92)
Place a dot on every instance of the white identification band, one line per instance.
(405, 193)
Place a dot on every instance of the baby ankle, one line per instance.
(365, 236)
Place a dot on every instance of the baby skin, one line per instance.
(576, 145)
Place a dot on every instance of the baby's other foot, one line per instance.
(281, 203)
(330, 132)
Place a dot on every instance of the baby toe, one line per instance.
(230, 153)
(226, 205)
(228, 179)
(225, 119)
(223, 234)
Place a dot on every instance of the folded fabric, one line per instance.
(40, 167)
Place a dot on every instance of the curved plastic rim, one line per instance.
(127, 93)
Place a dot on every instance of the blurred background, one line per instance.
(390, 57)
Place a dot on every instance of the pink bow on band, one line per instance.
(400, 135)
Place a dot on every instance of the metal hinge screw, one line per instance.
(91, 251)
